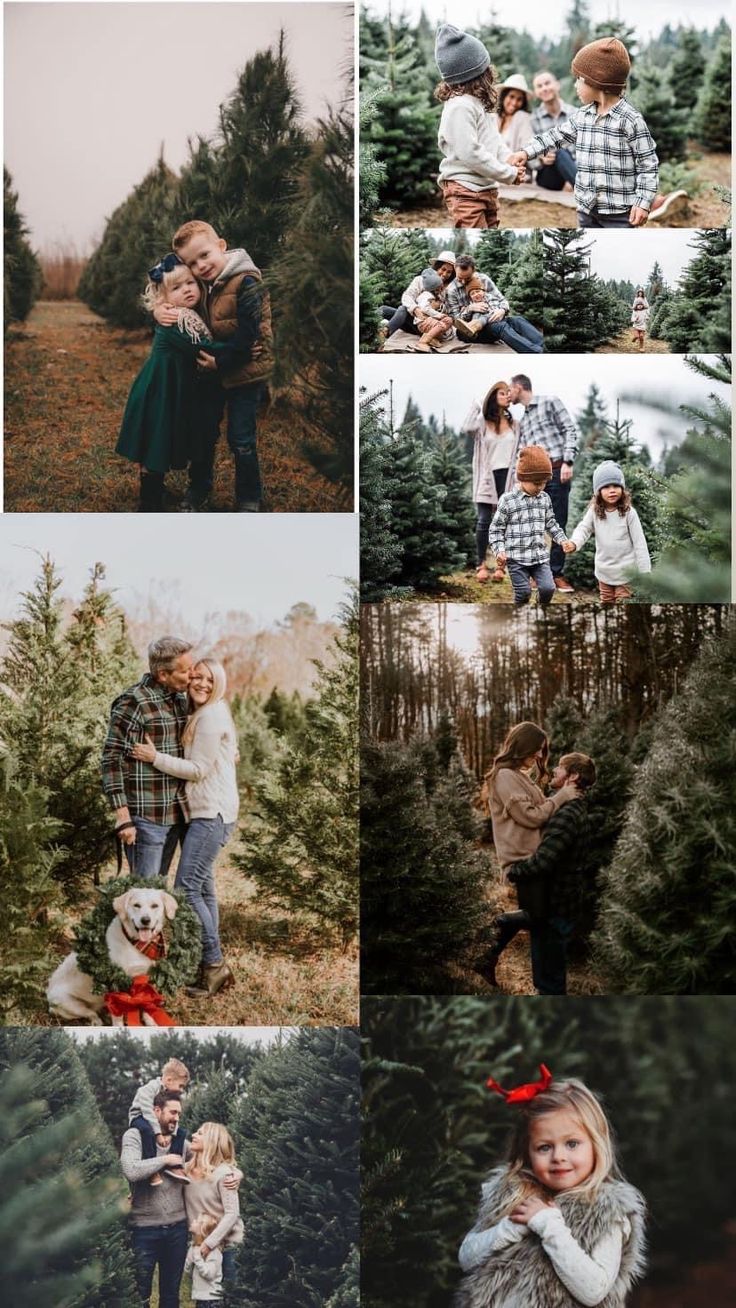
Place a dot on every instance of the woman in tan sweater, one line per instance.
(211, 1161)
(519, 811)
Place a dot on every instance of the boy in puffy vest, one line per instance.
(239, 313)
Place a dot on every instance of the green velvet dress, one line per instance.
(171, 408)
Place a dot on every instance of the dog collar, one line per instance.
(155, 948)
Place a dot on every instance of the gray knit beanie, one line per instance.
(608, 474)
(431, 281)
(460, 57)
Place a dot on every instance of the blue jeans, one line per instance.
(553, 176)
(522, 336)
(485, 514)
(155, 843)
(559, 493)
(549, 941)
(243, 403)
(196, 877)
(596, 219)
(520, 574)
(167, 1247)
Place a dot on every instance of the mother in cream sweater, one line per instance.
(208, 767)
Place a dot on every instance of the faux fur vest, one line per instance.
(523, 1272)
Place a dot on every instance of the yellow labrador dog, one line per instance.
(140, 915)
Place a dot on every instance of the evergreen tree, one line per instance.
(655, 283)
(372, 170)
(297, 1137)
(116, 1065)
(138, 232)
(449, 470)
(380, 547)
(579, 312)
(302, 842)
(494, 253)
(369, 306)
(525, 289)
(685, 73)
(666, 120)
(669, 911)
(418, 865)
(698, 315)
(404, 128)
(429, 550)
(22, 275)
(712, 121)
(285, 714)
(499, 42)
(394, 258)
(660, 312)
(62, 1210)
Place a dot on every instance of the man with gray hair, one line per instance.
(149, 806)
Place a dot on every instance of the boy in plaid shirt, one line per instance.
(617, 166)
(519, 525)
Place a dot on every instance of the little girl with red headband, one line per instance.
(558, 1225)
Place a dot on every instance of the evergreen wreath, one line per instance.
(184, 942)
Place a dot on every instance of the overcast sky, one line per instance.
(207, 563)
(463, 378)
(614, 254)
(93, 91)
(544, 19)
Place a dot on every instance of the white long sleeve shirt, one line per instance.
(474, 153)
(206, 1273)
(620, 544)
(588, 1277)
(208, 766)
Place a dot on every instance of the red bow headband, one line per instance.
(522, 1093)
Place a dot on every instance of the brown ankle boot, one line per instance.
(216, 976)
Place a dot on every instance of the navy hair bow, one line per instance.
(164, 265)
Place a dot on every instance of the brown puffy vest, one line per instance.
(223, 318)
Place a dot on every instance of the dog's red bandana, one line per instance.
(132, 1004)
(522, 1093)
(155, 948)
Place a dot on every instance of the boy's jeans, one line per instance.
(243, 403)
(195, 875)
(155, 843)
(520, 574)
(167, 1246)
(596, 219)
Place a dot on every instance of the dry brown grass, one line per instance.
(464, 588)
(62, 266)
(623, 344)
(67, 377)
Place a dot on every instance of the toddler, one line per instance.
(174, 1077)
(206, 1269)
(620, 544)
(558, 1225)
(430, 305)
(474, 317)
(519, 525)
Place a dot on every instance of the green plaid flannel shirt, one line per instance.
(561, 856)
(146, 709)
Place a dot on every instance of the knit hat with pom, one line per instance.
(460, 57)
(608, 473)
(534, 464)
(605, 64)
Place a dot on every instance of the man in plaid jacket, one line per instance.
(149, 806)
(558, 864)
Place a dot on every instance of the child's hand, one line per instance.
(568, 547)
(520, 175)
(173, 1160)
(206, 362)
(144, 753)
(166, 315)
(519, 158)
(501, 560)
(528, 1208)
(638, 217)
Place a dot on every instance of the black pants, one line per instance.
(559, 493)
(549, 955)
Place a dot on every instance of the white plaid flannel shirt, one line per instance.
(546, 422)
(519, 525)
(617, 164)
(457, 298)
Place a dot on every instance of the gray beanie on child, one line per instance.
(431, 281)
(607, 474)
(459, 56)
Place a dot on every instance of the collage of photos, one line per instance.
(367, 724)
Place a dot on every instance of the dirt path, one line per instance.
(623, 344)
(464, 588)
(67, 377)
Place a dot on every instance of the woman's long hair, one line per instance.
(483, 88)
(492, 411)
(218, 693)
(218, 1147)
(523, 740)
(571, 1097)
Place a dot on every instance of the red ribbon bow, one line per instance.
(132, 1004)
(522, 1093)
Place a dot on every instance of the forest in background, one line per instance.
(64, 1111)
(646, 692)
(297, 775)
(432, 1131)
(273, 183)
(417, 515)
(680, 81)
(546, 276)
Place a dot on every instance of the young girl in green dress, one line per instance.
(171, 407)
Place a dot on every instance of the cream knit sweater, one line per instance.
(518, 812)
(208, 765)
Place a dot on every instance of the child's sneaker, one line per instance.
(156, 1179)
(482, 573)
(177, 1174)
(668, 206)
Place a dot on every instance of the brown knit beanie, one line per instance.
(474, 283)
(534, 464)
(605, 64)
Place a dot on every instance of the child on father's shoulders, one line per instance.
(175, 1078)
(517, 534)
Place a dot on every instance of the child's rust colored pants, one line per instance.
(609, 594)
(471, 208)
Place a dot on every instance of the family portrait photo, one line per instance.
(577, 116)
(178, 755)
(553, 482)
(179, 262)
(168, 1169)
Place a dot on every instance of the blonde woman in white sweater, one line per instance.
(210, 754)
